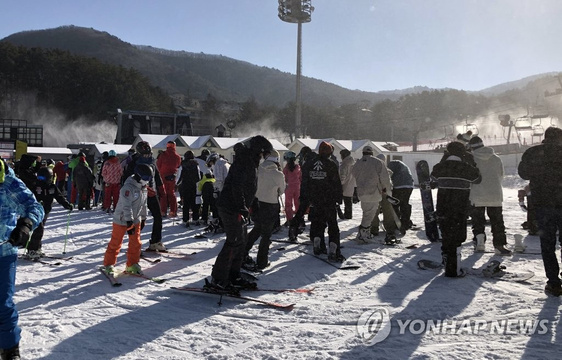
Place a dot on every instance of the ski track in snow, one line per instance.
(71, 311)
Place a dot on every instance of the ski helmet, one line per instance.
(289, 155)
(112, 153)
(143, 148)
(45, 174)
(144, 173)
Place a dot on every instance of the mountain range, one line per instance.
(195, 75)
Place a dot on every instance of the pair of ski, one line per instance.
(114, 281)
(494, 270)
(45, 262)
(205, 291)
(168, 253)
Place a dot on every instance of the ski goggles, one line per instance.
(146, 178)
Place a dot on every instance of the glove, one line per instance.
(523, 206)
(20, 234)
(70, 207)
(216, 194)
(130, 228)
(392, 200)
(142, 224)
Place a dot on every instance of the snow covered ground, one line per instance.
(71, 311)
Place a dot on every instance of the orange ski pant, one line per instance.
(114, 246)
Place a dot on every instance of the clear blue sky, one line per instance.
(370, 45)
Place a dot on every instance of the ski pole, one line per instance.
(66, 236)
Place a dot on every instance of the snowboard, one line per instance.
(344, 265)
(430, 220)
(500, 274)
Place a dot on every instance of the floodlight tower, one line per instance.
(297, 12)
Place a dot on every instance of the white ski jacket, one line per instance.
(489, 191)
(371, 177)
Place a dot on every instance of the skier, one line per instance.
(154, 189)
(202, 161)
(402, 187)
(487, 197)
(45, 191)
(293, 176)
(373, 182)
(83, 180)
(321, 187)
(111, 174)
(205, 191)
(60, 176)
(20, 214)
(271, 184)
(454, 178)
(220, 168)
(237, 195)
(168, 163)
(190, 175)
(542, 165)
(347, 181)
(129, 217)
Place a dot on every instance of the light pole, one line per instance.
(297, 12)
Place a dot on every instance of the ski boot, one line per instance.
(319, 246)
(519, 247)
(335, 255)
(480, 244)
(501, 250)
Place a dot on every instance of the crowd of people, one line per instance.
(227, 197)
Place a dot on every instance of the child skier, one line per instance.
(45, 191)
(130, 216)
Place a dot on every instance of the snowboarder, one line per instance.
(20, 214)
(347, 182)
(321, 187)
(402, 187)
(373, 182)
(542, 165)
(454, 178)
(129, 217)
(487, 197)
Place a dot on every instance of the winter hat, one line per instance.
(273, 156)
(367, 150)
(188, 155)
(345, 153)
(325, 148)
(82, 159)
(381, 157)
(205, 152)
(171, 145)
(553, 134)
(475, 143)
(456, 148)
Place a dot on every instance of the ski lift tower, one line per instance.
(297, 12)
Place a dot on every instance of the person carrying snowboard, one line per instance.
(454, 178)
